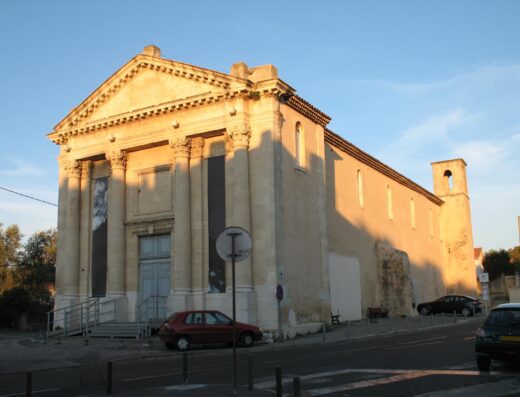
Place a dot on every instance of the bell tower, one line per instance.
(450, 184)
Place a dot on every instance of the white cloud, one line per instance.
(481, 154)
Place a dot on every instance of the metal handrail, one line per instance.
(154, 300)
(78, 317)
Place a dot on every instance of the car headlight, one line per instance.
(481, 333)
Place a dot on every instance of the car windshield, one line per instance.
(503, 318)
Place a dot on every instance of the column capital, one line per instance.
(181, 147)
(197, 147)
(117, 159)
(86, 169)
(73, 168)
(240, 134)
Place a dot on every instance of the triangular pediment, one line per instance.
(147, 82)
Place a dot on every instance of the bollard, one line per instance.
(390, 320)
(454, 316)
(368, 325)
(442, 318)
(421, 324)
(278, 374)
(348, 329)
(406, 322)
(324, 336)
(296, 387)
(473, 311)
(250, 372)
(431, 319)
(109, 377)
(185, 368)
(28, 384)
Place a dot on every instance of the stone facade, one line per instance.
(163, 154)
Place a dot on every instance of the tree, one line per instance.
(37, 266)
(497, 263)
(10, 243)
(514, 255)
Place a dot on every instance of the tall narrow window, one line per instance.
(412, 212)
(361, 192)
(389, 202)
(299, 145)
(448, 179)
(431, 222)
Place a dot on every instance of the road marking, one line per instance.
(469, 338)
(490, 389)
(418, 345)
(426, 372)
(34, 392)
(168, 374)
(365, 383)
(185, 387)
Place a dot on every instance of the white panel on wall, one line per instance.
(345, 286)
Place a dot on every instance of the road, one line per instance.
(431, 362)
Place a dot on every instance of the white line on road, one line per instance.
(365, 383)
(33, 392)
(490, 389)
(426, 372)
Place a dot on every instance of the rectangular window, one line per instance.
(216, 221)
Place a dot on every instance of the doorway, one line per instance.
(154, 265)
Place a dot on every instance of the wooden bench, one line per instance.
(334, 318)
(376, 312)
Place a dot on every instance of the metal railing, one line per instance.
(150, 311)
(80, 317)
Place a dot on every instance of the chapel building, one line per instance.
(163, 156)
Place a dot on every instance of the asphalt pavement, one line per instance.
(33, 352)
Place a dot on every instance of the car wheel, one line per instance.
(247, 339)
(182, 343)
(425, 311)
(466, 312)
(483, 363)
(169, 345)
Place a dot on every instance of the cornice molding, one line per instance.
(347, 147)
(302, 106)
(114, 83)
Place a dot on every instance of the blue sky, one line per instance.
(410, 82)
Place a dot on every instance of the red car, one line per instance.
(182, 329)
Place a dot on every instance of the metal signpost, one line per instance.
(484, 280)
(234, 243)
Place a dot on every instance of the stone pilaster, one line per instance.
(197, 238)
(70, 271)
(84, 244)
(179, 299)
(246, 300)
(116, 225)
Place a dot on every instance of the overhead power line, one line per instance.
(25, 195)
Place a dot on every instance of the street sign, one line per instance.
(483, 277)
(485, 292)
(242, 241)
(279, 292)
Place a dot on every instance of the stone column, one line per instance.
(197, 238)
(116, 231)
(61, 255)
(246, 299)
(70, 269)
(179, 299)
(84, 271)
(240, 135)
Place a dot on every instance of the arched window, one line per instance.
(361, 192)
(389, 202)
(299, 145)
(412, 212)
(448, 179)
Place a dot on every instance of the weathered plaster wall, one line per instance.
(302, 214)
(355, 229)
